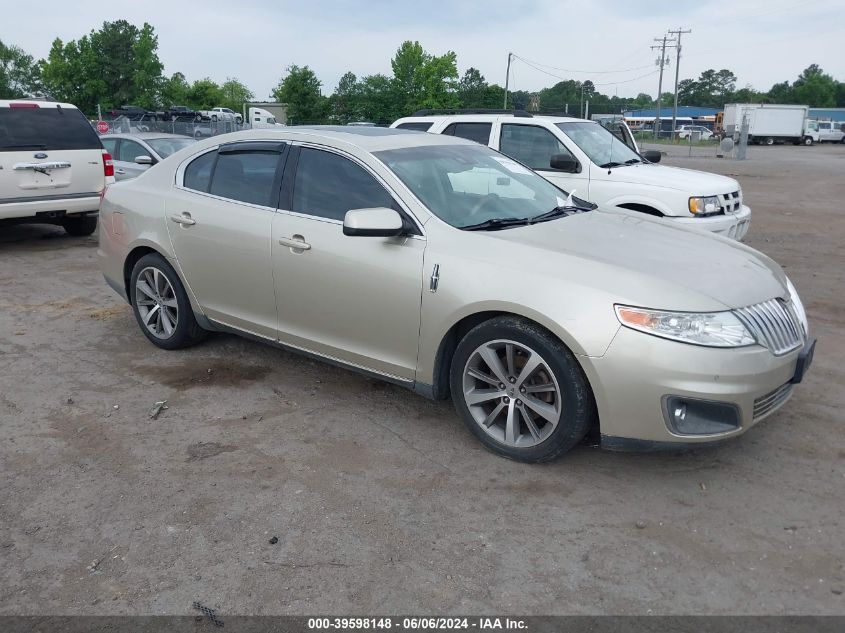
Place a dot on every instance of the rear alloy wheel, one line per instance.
(80, 226)
(520, 390)
(161, 305)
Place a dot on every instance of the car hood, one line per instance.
(650, 262)
(695, 183)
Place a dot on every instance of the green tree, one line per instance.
(300, 90)
(19, 75)
(235, 94)
(379, 100)
(114, 66)
(174, 91)
(345, 102)
(472, 89)
(204, 94)
(425, 80)
(815, 88)
(781, 93)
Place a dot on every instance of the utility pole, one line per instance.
(679, 32)
(507, 79)
(663, 62)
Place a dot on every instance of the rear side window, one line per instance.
(198, 173)
(246, 177)
(46, 129)
(111, 145)
(417, 126)
(328, 185)
(478, 132)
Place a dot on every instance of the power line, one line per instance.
(590, 72)
(609, 83)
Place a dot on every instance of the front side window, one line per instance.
(602, 147)
(531, 145)
(248, 176)
(465, 185)
(328, 185)
(478, 132)
(130, 150)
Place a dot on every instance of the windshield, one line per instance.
(466, 185)
(164, 147)
(602, 147)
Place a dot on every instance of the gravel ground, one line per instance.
(381, 502)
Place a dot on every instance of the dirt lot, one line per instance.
(380, 501)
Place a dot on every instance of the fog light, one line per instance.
(690, 416)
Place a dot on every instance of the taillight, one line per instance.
(23, 105)
(108, 165)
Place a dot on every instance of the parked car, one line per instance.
(686, 131)
(222, 114)
(580, 155)
(135, 113)
(53, 168)
(182, 113)
(133, 154)
(542, 317)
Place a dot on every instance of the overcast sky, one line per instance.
(761, 41)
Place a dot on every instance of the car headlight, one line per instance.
(798, 306)
(704, 206)
(711, 329)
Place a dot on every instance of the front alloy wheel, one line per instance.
(511, 393)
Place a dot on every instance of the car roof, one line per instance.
(370, 139)
(145, 135)
(490, 118)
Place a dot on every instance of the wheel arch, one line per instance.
(641, 207)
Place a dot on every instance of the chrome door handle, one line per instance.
(296, 242)
(184, 219)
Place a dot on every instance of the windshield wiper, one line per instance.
(632, 161)
(611, 164)
(496, 224)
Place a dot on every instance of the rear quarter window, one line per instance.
(46, 129)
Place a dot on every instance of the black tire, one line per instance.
(808, 140)
(578, 410)
(187, 331)
(81, 226)
(769, 141)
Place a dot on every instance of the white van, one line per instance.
(53, 168)
(260, 118)
(600, 166)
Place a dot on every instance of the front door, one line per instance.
(125, 166)
(353, 299)
(534, 146)
(220, 222)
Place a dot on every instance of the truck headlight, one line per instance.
(704, 206)
(711, 329)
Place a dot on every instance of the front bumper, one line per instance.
(733, 225)
(638, 371)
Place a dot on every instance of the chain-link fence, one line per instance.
(195, 125)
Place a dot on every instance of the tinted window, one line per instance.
(478, 132)
(130, 150)
(418, 126)
(198, 173)
(246, 177)
(46, 128)
(111, 145)
(328, 185)
(531, 145)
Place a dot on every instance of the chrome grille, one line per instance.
(774, 324)
(730, 202)
(772, 401)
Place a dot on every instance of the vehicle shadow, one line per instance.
(23, 236)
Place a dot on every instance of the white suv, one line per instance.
(606, 168)
(53, 168)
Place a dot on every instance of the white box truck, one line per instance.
(769, 123)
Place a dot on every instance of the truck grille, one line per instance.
(730, 202)
(774, 324)
(772, 401)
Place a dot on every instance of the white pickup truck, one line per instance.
(605, 168)
(222, 114)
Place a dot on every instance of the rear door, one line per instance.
(47, 151)
(220, 220)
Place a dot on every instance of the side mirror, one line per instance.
(564, 162)
(377, 222)
(652, 155)
(144, 160)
